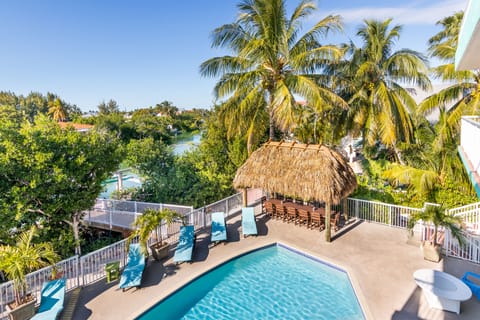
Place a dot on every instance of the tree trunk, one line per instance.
(398, 154)
(328, 229)
(271, 114)
(76, 234)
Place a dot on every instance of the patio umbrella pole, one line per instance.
(327, 222)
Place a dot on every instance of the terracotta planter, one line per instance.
(23, 312)
(431, 253)
(160, 251)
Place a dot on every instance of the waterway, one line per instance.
(186, 143)
(182, 144)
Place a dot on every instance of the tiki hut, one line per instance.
(308, 172)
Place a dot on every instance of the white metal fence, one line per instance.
(470, 214)
(398, 216)
(379, 212)
(87, 269)
(121, 214)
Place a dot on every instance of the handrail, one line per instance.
(89, 268)
(466, 208)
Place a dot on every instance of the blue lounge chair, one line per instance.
(51, 300)
(474, 286)
(219, 231)
(133, 272)
(249, 226)
(186, 244)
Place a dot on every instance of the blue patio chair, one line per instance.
(133, 272)
(249, 225)
(474, 286)
(186, 245)
(219, 231)
(51, 300)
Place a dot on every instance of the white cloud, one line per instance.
(415, 12)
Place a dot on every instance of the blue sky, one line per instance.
(141, 52)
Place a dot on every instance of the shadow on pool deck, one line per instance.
(377, 258)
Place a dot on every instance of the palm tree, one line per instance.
(271, 65)
(462, 97)
(438, 216)
(57, 110)
(26, 256)
(373, 81)
(150, 221)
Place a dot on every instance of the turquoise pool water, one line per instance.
(271, 283)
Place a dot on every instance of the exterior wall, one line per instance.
(469, 149)
(466, 57)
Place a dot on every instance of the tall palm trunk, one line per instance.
(398, 154)
(271, 114)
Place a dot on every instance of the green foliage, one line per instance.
(195, 178)
(439, 217)
(372, 81)
(110, 107)
(24, 257)
(150, 157)
(149, 222)
(271, 64)
(50, 175)
(94, 239)
(35, 104)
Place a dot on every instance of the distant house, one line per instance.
(80, 127)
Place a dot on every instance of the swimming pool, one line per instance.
(270, 283)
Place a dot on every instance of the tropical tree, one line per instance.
(56, 110)
(50, 176)
(373, 81)
(149, 222)
(438, 216)
(462, 96)
(108, 107)
(24, 257)
(271, 65)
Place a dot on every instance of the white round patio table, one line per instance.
(442, 290)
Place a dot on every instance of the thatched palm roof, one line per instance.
(309, 172)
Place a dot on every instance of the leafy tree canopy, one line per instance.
(48, 175)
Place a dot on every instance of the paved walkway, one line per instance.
(378, 259)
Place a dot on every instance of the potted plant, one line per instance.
(57, 272)
(16, 262)
(437, 216)
(149, 222)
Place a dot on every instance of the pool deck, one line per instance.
(378, 259)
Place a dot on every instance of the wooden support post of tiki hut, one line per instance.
(345, 209)
(244, 197)
(328, 227)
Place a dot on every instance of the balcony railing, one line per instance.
(469, 150)
(90, 268)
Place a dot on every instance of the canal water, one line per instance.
(185, 144)
(131, 180)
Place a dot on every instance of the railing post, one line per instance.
(226, 207)
(390, 215)
(110, 216)
(204, 217)
(356, 209)
(82, 271)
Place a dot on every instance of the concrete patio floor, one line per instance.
(378, 259)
